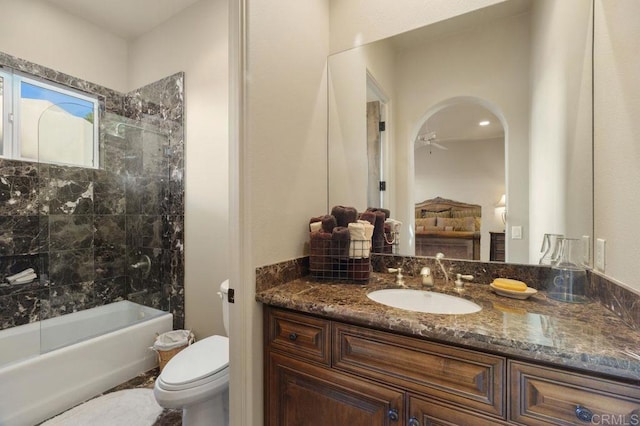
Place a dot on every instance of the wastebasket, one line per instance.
(168, 344)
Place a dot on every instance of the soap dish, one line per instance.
(514, 294)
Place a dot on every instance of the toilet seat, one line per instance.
(205, 361)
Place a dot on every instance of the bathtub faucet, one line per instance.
(144, 264)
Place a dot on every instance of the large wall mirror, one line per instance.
(488, 114)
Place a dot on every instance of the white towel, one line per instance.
(19, 275)
(315, 226)
(360, 233)
(395, 225)
(23, 279)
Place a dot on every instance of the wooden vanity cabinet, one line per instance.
(322, 372)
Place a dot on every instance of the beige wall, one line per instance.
(41, 33)
(561, 109)
(196, 42)
(616, 130)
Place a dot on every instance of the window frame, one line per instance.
(12, 114)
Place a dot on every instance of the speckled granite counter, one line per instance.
(586, 336)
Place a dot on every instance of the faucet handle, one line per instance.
(399, 277)
(459, 277)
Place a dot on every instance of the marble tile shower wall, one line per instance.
(81, 229)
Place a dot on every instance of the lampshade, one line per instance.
(503, 201)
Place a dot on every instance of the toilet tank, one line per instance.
(224, 292)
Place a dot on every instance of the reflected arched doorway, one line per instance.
(459, 154)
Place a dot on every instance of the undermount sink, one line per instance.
(424, 301)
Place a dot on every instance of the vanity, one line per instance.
(333, 356)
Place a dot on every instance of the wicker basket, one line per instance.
(165, 355)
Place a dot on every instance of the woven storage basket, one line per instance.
(165, 355)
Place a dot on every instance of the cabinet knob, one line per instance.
(293, 336)
(393, 415)
(414, 422)
(583, 413)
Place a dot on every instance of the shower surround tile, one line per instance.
(75, 225)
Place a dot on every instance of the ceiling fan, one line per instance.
(428, 139)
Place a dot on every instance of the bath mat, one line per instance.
(131, 407)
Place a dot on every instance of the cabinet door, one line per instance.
(546, 396)
(301, 394)
(435, 413)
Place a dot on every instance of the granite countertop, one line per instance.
(582, 336)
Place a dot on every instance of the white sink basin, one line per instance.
(424, 301)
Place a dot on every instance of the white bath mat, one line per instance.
(131, 407)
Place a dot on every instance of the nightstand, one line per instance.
(496, 249)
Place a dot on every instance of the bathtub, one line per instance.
(50, 366)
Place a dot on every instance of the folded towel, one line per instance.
(394, 224)
(20, 274)
(387, 212)
(314, 220)
(328, 223)
(340, 242)
(319, 249)
(379, 223)
(25, 279)
(369, 217)
(360, 233)
(344, 215)
(315, 226)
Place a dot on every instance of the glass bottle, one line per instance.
(549, 248)
(569, 276)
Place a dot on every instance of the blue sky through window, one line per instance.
(76, 106)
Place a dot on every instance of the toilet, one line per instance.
(196, 379)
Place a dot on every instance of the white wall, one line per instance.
(196, 42)
(465, 65)
(41, 33)
(284, 167)
(473, 171)
(560, 120)
(348, 166)
(616, 130)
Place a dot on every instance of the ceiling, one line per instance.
(459, 122)
(127, 19)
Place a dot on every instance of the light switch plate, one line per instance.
(516, 232)
(600, 254)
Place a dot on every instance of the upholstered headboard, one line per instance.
(443, 208)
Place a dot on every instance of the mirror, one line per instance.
(524, 64)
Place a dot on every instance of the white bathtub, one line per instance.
(50, 366)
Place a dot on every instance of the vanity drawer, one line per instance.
(299, 335)
(463, 377)
(542, 395)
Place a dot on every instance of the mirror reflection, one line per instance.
(487, 139)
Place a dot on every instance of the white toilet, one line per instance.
(197, 378)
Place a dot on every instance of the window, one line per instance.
(45, 122)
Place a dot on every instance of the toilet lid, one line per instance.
(204, 358)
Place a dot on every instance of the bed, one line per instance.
(449, 227)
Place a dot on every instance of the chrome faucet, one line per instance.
(439, 257)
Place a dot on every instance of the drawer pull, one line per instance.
(414, 422)
(293, 336)
(393, 415)
(584, 413)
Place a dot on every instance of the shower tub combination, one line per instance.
(52, 365)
